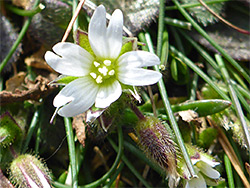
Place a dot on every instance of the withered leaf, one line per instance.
(15, 82)
(36, 90)
(79, 125)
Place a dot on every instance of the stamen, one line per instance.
(111, 73)
(54, 115)
(96, 64)
(107, 62)
(99, 79)
(103, 70)
(93, 75)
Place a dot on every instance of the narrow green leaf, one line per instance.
(203, 107)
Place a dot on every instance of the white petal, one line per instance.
(196, 182)
(138, 59)
(41, 176)
(138, 76)
(208, 170)
(80, 95)
(209, 161)
(91, 116)
(97, 32)
(108, 94)
(114, 34)
(70, 59)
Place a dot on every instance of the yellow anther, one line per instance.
(103, 71)
(96, 64)
(93, 75)
(99, 79)
(111, 73)
(107, 62)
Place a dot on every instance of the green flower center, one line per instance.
(102, 71)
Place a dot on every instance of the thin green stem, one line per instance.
(234, 98)
(115, 164)
(202, 52)
(237, 77)
(165, 48)
(130, 166)
(212, 42)
(243, 91)
(192, 5)
(193, 87)
(198, 71)
(177, 40)
(38, 138)
(76, 23)
(160, 27)
(241, 98)
(33, 124)
(19, 39)
(169, 112)
(113, 178)
(229, 171)
(178, 23)
(71, 148)
(22, 12)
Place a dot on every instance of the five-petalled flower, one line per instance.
(100, 76)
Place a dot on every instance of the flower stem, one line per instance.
(18, 40)
(22, 12)
(130, 166)
(170, 114)
(71, 147)
(212, 42)
(137, 111)
(31, 130)
(115, 164)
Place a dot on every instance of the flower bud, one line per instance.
(157, 143)
(9, 129)
(203, 166)
(28, 171)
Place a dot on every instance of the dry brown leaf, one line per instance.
(36, 90)
(79, 125)
(230, 153)
(189, 116)
(36, 60)
(15, 82)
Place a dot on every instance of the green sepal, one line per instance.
(9, 130)
(128, 44)
(81, 38)
(206, 137)
(63, 80)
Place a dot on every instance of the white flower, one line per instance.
(203, 166)
(100, 76)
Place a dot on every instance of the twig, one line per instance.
(72, 21)
(223, 20)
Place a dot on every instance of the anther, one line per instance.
(107, 62)
(99, 79)
(93, 75)
(111, 73)
(103, 70)
(96, 64)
